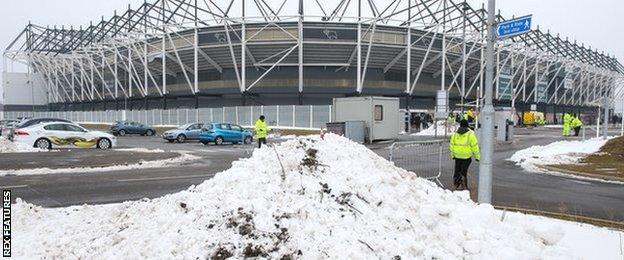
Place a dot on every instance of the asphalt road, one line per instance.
(512, 185)
(65, 189)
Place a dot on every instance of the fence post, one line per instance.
(294, 115)
(311, 116)
(278, 116)
(330, 113)
(251, 115)
(211, 116)
(236, 114)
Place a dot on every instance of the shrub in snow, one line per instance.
(306, 198)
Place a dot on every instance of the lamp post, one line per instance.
(487, 141)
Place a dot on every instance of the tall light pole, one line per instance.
(605, 122)
(487, 137)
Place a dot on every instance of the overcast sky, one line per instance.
(596, 23)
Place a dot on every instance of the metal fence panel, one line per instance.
(229, 115)
(270, 114)
(320, 116)
(285, 116)
(425, 158)
(218, 115)
(302, 116)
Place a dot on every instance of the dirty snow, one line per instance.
(304, 199)
(7, 146)
(561, 152)
(183, 157)
(441, 131)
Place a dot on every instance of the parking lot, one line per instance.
(128, 175)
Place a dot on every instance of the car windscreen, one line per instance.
(32, 122)
(184, 127)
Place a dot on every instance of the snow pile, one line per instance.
(304, 199)
(182, 157)
(440, 129)
(562, 152)
(7, 146)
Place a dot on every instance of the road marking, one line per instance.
(164, 178)
(14, 187)
(581, 182)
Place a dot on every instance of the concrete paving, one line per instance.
(512, 185)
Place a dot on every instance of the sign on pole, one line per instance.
(514, 27)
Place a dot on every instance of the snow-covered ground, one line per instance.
(561, 152)
(440, 129)
(183, 157)
(306, 198)
(7, 146)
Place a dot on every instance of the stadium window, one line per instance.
(378, 113)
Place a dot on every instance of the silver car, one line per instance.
(184, 133)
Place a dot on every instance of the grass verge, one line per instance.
(607, 164)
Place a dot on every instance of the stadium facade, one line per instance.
(205, 53)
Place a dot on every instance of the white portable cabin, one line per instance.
(381, 115)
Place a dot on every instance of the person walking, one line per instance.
(576, 124)
(450, 122)
(463, 147)
(262, 131)
(567, 124)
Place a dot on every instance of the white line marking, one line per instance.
(164, 178)
(14, 187)
(581, 182)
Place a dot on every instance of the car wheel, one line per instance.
(219, 140)
(149, 133)
(122, 132)
(181, 139)
(104, 144)
(43, 144)
(248, 140)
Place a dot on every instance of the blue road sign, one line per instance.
(514, 27)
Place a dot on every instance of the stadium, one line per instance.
(202, 53)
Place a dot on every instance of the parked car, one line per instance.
(220, 133)
(62, 134)
(184, 132)
(24, 123)
(122, 128)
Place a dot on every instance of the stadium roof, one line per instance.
(151, 16)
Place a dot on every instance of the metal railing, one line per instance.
(421, 157)
(280, 116)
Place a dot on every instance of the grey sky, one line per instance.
(595, 23)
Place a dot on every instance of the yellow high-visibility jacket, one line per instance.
(567, 119)
(451, 120)
(262, 129)
(576, 122)
(464, 145)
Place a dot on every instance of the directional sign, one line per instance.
(514, 27)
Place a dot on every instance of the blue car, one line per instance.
(183, 133)
(220, 133)
(122, 128)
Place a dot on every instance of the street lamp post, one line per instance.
(487, 137)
